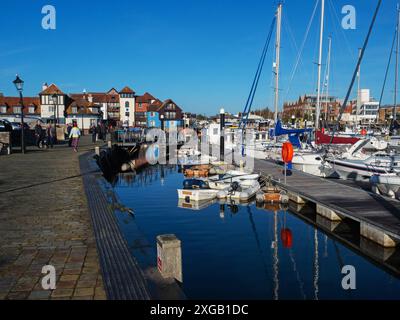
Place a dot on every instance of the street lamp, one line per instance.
(19, 85)
(293, 119)
(162, 122)
(55, 103)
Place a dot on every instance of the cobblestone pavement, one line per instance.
(44, 219)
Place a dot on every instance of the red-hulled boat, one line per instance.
(322, 138)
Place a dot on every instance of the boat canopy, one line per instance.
(294, 134)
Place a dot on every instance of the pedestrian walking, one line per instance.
(69, 128)
(49, 136)
(103, 129)
(93, 131)
(38, 134)
(75, 134)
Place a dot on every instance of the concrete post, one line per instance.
(97, 150)
(110, 144)
(169, 256)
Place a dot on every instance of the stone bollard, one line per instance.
(169, 256)
(97, 150)
(110, 144)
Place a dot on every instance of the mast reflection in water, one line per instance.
(236, 251)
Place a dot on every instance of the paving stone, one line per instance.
(45, 224)
(40, 295)
(62, 293)
(82, 292)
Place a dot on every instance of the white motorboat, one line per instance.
(359, 170)
(386, 184)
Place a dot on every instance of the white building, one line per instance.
(52, 101)
(127, 107)
(368, 110)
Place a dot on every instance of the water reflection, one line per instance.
(244, 251)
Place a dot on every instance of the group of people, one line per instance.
(48, 136)
(98, 132)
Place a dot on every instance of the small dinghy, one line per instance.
(386, 184)
(242, 191)
(222, 181)
(272, 195)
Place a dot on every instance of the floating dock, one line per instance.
(378, 217)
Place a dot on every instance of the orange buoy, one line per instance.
(287, 152)
(287, 238)
(364, 132)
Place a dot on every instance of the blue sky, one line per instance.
(201, 53)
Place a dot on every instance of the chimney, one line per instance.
(90, 98)
(45, 86)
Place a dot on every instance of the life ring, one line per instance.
(287, 152)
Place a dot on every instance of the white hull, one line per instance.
(386, 184)
(248, 190)
(197, 195)
(308, 162)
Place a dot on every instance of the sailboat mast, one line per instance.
(358, 89)
(318, 111)
(277, 62)
(327, 78)
(397, 65)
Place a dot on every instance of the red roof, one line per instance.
(146, 98)
(127, 90)
(11, 102)
(52, 89)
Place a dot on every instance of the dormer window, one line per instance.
(17, 109)
(31, 109)
(74, 110)
(3, 109)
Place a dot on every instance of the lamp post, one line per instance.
(293, 120)
(162, 122)
(19, 85)
(55, 103)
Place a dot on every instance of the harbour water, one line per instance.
(241, 252)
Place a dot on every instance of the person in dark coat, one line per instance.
(50, 135)
(93, 131)
(103, 130)
(38, 134)
(69, 128)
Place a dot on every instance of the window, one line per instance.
(127, 114)
(74, 110)
(31, 109)
(152, 123)
(3, 109)
(51, 108)
(17, 110)
(140, 104)
(127, 104)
